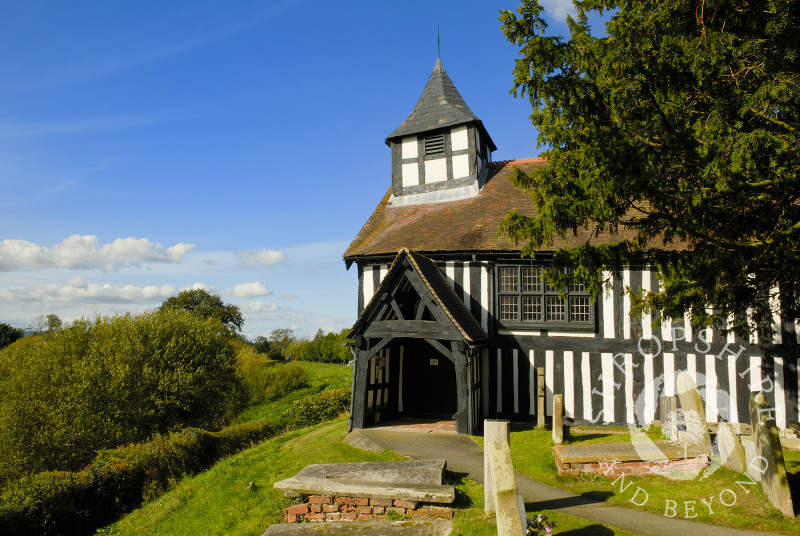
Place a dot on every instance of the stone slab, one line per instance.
(694, 414)
(731, 451)
(433, 527)
(558, 419)
(768, 448)
(358, 440)
(504, 484)
(624, 452)
(410, 480)
(749, 446)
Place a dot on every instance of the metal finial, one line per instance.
(438, 54)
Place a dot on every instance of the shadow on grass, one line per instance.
(455, 479)
(593, 497)
(591, 530)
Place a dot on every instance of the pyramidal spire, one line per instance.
(439, 106)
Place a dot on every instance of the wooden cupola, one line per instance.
(442, 151)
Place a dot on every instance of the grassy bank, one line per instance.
(532, 455)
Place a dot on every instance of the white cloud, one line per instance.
(86, 252)
(77, 290)
(250, 290)
(258, 307)
(266, 257)
(559, 9)
(286, 296)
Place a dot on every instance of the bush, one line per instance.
(317, 408)
(112, 381)
(263, 380)
(117, 481)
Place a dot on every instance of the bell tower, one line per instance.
(441, 152)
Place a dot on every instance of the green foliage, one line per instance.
(263, 380)
(206, 305)
(678, 131)
(111, 381)
(117, 481)
(9, 334)
(46, 324)
(324, 406)
(280, 341)
(323, 348)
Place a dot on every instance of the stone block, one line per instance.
(558, 421)
(694, 414)
(731, 452)
(668, 406)
(770, 454)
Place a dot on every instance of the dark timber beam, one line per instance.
(419, 329)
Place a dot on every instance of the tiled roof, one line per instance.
(441, 292)
(468, 225)
(439, 106)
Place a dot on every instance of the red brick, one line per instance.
(319, 499)
(291, 518)
(365, 510)
(440, 511)
(315, 508)
(397, 510)
(316, 517)
(381, 502)
(349, 501)
(297, 509)
(378, 509)
(330, 508)
(364, 516)
(362, 501)
(346, 508)
(349, 516)
(333, 516)
(405, 504)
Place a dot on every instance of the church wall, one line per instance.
(616, 373)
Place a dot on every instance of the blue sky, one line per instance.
(148, 147)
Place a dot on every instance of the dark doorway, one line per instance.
(429, 382)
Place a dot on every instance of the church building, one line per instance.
(453, 322)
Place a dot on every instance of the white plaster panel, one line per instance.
(435, 170)
(460, 166)
(410, 174)
(409, 147)
(458, 138)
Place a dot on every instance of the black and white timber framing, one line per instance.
(612, 374)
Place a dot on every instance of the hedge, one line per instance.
(117, 481)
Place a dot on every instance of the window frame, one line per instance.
(545, 293)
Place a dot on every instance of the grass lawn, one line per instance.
(220, 501)
(532, 455)
(321, 376)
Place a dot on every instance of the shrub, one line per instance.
(317, 408)
(112, 381)
(117, 481)
(264, 380)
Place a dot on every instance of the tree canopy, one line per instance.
(206, 305)
(9, 334)
(677, 130)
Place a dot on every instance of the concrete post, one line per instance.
(504, 485)
(492, 431)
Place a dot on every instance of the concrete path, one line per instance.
(464, 456)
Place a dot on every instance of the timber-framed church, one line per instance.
(453, 322)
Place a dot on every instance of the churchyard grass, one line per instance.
(532, 455)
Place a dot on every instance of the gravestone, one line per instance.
(558, 421)
(694, 415)
(504, 484)
(770, 453)
(749, 446)
(730, 448)
(540, 395)
(668, 408)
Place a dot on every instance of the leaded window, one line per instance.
(524, 298)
